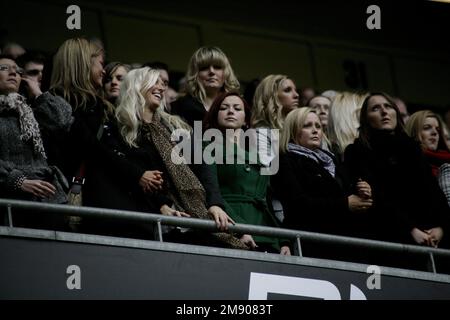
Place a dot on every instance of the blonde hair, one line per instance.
(293, 123)
(71, 75)
(415, 125)
(267, 110)
(343, 119)
(131, 105)
(204, 57)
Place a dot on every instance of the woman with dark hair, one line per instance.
(242, 186)
(408, 205)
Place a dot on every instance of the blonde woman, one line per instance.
(78, 78)
(274, 98)
(427, 129)
(145, 130)
(209, 73)
(310, 184)
(25, 172)
(343, 121)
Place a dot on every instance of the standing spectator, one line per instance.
(241, 183)
(146, 132)
(321, 105)
(24, 171)
(274, 98)
(409, 206)
(312, 188)
(427, 129)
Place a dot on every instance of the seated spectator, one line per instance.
(24, 171)
(242, 186)
(275, 96)
(408, 205)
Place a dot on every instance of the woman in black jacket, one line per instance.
(311, 188)
(409, 206)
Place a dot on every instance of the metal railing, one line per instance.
(210, 225)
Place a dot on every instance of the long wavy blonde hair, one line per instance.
(204, 57)
(267, 109)
(71, 75)
(131, 105)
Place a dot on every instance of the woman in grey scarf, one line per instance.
(24, 171)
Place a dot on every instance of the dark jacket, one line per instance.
(189, 109)
(312, 199)
(405, 193)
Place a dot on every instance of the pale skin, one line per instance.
(288, 96)
(310, 136)
(212, 80)
(153, 99)
(231, 115)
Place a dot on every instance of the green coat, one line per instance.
(244, 190)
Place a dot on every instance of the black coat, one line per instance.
(312, 199)
(405, 193)
(189, 109)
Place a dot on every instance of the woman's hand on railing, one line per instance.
(151, 181)
(168, 211)
(248, 241)
(221, 218)
(39, 188)
(436, 235)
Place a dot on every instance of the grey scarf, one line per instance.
(320, 156)
(29, 127)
